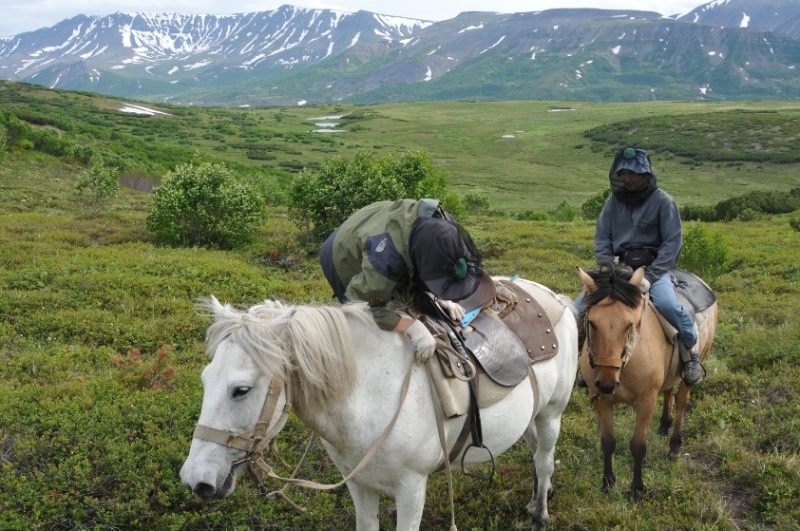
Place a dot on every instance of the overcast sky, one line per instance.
(19, 16)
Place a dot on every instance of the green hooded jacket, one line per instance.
(371, 253)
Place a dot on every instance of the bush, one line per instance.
(530, 215)
(565, 212)
(3, 140)
(704, 254)
(594, 205)
(199, 204)
(95, 188)
(476, 203)
(319, 202)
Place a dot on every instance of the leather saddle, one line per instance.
(511, 332)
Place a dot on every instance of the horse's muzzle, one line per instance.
(606, 389)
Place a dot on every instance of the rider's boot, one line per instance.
(692, 369)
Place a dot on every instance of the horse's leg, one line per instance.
(366, 502)
(681, 401)
(644, 414)
(605, 414)
(541, 436)
(666, 412)
(409, 495)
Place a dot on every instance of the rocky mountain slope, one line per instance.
(296, 56)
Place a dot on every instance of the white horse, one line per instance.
(346, 380)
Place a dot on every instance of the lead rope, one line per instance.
(437, 407)
(267, 469)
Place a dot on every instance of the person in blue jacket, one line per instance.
(640, 226)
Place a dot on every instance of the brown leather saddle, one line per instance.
(511, 332)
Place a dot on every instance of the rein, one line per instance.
(255, 440)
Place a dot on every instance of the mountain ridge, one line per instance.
(294, 55)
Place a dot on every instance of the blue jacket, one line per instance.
(655, 225)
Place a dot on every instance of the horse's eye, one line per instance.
(240, 392)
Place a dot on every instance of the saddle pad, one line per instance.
(500, 352)
(693, 289)
(529, 321)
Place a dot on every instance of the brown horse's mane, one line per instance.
(612, 281)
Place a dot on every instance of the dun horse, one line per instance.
(345, 378)
(627, 359)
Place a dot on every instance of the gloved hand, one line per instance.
(644, 287)
(422, 341)
(453, 309)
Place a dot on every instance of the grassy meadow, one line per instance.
(101, 346)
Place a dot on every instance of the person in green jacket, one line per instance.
(391, 246)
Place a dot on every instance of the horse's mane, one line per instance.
(613, 281)
(309, 344)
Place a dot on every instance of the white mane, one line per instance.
(309, 344)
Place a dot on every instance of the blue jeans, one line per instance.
(662, 293)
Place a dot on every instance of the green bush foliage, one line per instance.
(476, 203)
(704, 253)
(749, 205)
(319, 202)
(530, 215)
(712, 137)
(97, 187)
(565, 212)
(592, 207)
(200, 204)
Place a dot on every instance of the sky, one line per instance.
(19, 16)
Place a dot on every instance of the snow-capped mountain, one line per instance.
(170, 47)
(725, 49)
(780, 16)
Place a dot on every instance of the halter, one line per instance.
(253, 441)
(630, 343)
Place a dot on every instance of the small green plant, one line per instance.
(200, 204)
(704, 253)
(97, 187)
(795, 224)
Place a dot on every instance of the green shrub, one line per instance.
(3, 140)
(530, 215)
(199, 204)
(95, 188)
(319, 202)
(565, 212)
(476, 203)
(592, 207)
(704, 253)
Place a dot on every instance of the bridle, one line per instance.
(253, 441)
(631, 341)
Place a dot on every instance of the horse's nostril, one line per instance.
(203, 490)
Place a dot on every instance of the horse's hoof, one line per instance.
(539, 524)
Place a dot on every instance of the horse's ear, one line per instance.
(587, 280)
(638, 276)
